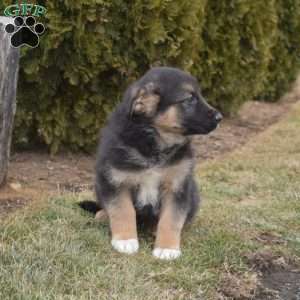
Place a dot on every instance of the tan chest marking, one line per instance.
(151, 179)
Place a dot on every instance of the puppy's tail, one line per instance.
(90, 206)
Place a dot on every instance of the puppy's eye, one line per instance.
(190, 100)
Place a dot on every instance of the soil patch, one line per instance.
(279, 279)
(8, 205)
(272, 278)
(280, 285)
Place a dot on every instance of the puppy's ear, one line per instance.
(145, 100)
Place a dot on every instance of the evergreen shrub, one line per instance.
(239, 50)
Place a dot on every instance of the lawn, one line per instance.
(251, 204)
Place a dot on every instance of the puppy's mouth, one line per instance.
(200, 129)
(191, 130)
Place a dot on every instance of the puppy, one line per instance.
(145, 161)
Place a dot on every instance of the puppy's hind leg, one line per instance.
(122, 218)
(101, 216)
(94, 208)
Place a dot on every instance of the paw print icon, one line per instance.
(25, 31)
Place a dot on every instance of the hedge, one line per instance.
(238, 49)
(285, 63)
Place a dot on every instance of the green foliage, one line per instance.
(285, 61)
(239, 50)
(238, 37)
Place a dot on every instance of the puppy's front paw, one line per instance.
(167, 254)
(126, 246)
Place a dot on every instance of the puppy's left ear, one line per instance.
(145, 100)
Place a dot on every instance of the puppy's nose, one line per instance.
(218, 117)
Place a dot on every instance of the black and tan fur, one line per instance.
(145, 160)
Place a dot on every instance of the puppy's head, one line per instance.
(170, 100)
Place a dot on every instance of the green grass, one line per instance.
(57, 251)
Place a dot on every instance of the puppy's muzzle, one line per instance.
(215, 115)
(218, 117)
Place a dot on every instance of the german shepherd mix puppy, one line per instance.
(145, 160)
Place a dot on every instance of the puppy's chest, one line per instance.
(148, 188)
(149, 183)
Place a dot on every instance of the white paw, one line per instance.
(167, 254)
(126, 246)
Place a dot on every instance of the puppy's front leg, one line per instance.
(122, 219)
(171, 221)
